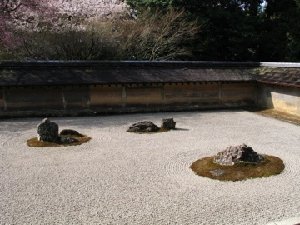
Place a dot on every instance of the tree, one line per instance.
(228, 28)
(281, 35)
(14, 11)
(9, 10)
(240, 29)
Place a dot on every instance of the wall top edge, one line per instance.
(280, 64)
(148, 63)
(161, 64)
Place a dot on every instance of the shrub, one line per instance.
(157, 36)
(69, 44)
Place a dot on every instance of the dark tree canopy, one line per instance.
(240, 29)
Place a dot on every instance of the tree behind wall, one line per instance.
(240, 30)
(152, 36)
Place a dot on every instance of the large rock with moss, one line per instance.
(48, 131)
(237, 154)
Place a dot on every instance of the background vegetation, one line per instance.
(235, 30)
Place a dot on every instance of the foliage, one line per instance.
(158, 36)
(237, 30)
(12, 10)
(240, 29)
(69, 44)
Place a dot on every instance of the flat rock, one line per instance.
(69, 132)
(68, 140)
(144, 126)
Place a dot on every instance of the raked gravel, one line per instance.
(128, 178)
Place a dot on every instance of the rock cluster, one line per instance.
(168, 124)
(148, 127)
(237, 154)
(144, 126)
(48, 132)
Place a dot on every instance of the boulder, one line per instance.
(145, 126)
(168, 124)
(69, 132)
(237, 154)
(47, 131)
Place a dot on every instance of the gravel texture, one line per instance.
(127, 178)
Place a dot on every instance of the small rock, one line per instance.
(168, 124)
(69, 132)
(145, 126)
(47, 131)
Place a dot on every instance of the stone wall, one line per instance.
(279, 87)
(92, 99)
(284, 99)
(36, 88)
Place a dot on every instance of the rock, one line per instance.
(69, 132)
(168, 124)
(237, 154)
(145, 126)
(47, 131)
(68, 140)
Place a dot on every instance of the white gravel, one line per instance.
(127, 178)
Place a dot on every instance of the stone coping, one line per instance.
(166, 64)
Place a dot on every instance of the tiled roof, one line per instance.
(85, 73)
(280, 76)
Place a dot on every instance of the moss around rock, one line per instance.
(74, 140)
(206, 167)
(283, 116)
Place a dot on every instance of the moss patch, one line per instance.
(205, 167)
(34, 142)
(280, 116)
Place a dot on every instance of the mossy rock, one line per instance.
(34, 142)
(270, 166)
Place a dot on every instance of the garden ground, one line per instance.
(127, 178)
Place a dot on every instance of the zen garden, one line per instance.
(150, 112)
